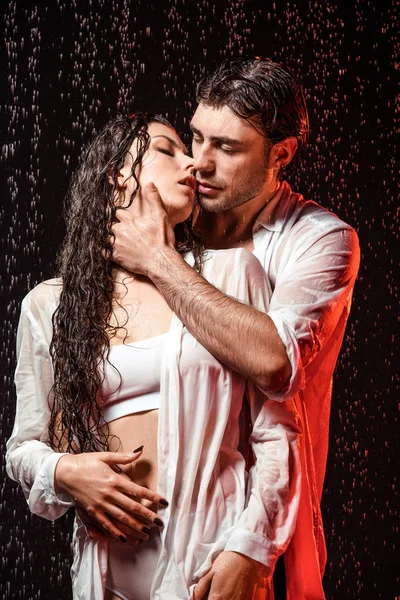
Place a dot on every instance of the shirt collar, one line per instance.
(273, 216)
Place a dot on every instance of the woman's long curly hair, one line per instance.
(82, 323)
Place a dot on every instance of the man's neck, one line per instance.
(231, 228)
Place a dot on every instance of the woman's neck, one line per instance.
(124, 279)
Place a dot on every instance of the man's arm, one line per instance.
(238, 335)
(312, 295)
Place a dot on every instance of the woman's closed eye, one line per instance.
(165, 151)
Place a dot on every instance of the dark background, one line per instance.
(66, 68)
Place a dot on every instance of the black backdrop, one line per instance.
(66, 68)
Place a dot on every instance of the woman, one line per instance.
(104, 367)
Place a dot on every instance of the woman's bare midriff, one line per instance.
(132, 431)
(144, 314)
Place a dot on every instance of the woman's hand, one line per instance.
(94, 529)
(109, 497)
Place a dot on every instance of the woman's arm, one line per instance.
(53, 481)
(29, 459)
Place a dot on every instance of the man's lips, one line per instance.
(206, 188)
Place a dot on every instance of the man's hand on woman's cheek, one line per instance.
(142, 231)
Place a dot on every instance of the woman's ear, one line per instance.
(283, 152)
(120, 185)
(121, 179)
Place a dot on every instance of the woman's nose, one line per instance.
(189, 166)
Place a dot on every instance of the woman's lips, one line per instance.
(189, 183)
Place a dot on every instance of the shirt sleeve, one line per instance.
(29, 459)
(267, 524)
(312, 294)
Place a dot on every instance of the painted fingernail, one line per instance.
(146, 530)
(163, 502)
(158, 522)
(122, 538)
(138, 449)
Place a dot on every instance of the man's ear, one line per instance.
(283, 152)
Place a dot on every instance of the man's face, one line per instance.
(230, 157)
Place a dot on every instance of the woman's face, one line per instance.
(167, 164)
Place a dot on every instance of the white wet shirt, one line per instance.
(215, 504)
(311, 260)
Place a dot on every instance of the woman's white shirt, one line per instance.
(215, 504)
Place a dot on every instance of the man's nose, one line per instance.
(203, 161)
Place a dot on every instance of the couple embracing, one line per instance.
(174, 382)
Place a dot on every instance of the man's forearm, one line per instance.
(238, 335)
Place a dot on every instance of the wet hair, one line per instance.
(266, 94)
(82, 323)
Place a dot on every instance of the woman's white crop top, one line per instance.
(132, 380)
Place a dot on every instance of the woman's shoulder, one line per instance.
(43, 297)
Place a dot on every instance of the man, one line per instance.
(249, 130)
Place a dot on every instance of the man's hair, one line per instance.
(266, 94)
